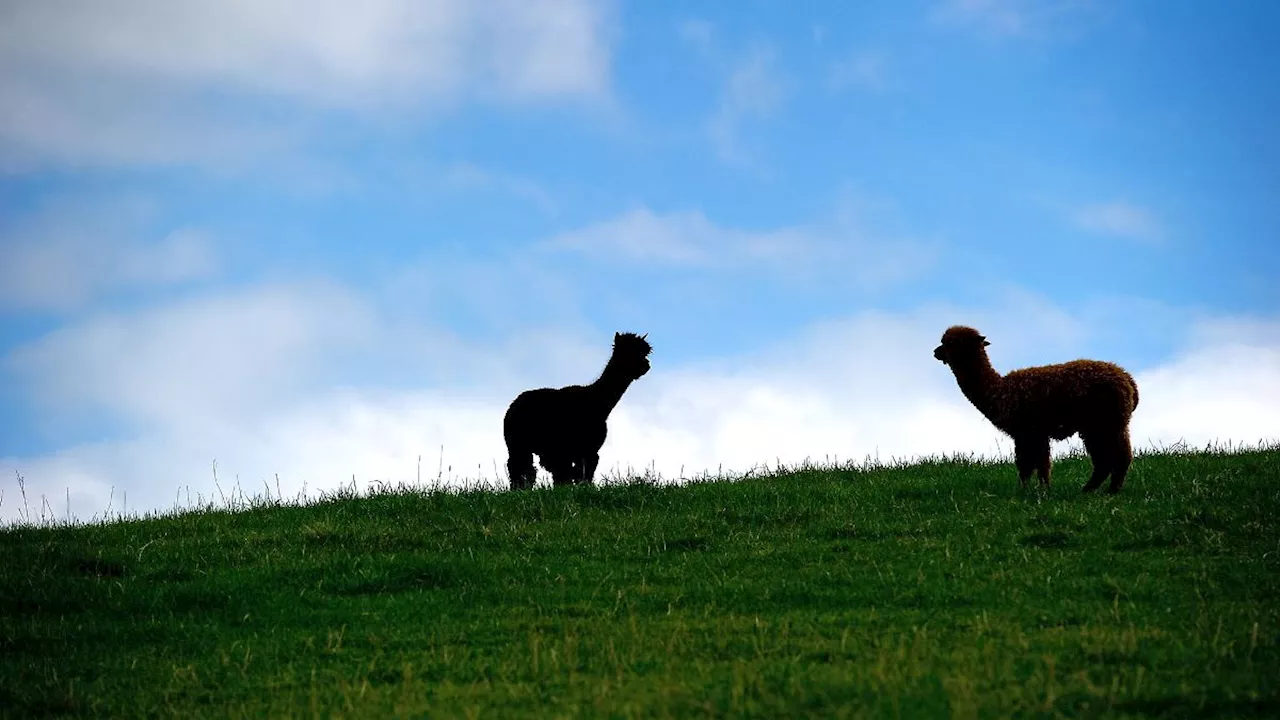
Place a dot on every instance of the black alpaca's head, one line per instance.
(631, 354)
(959, 342)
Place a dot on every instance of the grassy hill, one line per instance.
(917, 591)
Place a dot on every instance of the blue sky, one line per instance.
(322, 241)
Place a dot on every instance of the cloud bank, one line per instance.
(248, 380)
(163, 82)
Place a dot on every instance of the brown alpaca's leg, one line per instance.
(1098, 445)
(1122, 458)
(1029, 455)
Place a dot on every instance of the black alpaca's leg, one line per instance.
(1029, 455)
(1121, 459)
(1100, 454)
(561, 470)
(520, 470)
(589, 464)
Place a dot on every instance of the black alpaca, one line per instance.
(566, 427)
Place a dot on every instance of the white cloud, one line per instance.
(688, 239)
(864, 386)
(1242, 331)
(166, 81)
(1002, 16)
(752, 91)
(211, 357)
(72, 252)
(75, 123)
(1013, 17)
(1216, 393)
(1119, 219)
(682, 239)
(1225, 385)
(328, 52)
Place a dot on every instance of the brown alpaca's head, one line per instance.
(958, 343)
(631, 354)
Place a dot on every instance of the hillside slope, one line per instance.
(925, 590)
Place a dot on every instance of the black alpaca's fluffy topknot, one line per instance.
(632, 343)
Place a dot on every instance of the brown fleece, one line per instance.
(1036, 404)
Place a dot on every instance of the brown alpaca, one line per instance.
(1032, 405)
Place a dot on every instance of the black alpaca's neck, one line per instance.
(609, 387)
(979, 382)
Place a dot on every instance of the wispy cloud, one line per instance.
(1006, 17)
(842, 246)
(682, 239)
(153, 81)
(753, 90)
(1012, 17)
(73, 252)
(472, 176)
(864, 69)
(1119, 219)
(698, 33)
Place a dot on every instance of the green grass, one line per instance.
(927, 590)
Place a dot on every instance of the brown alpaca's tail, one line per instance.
(1134, 385)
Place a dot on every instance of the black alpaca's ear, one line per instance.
(617, 336)
(644, 336)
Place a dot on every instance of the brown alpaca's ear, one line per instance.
(985, 343)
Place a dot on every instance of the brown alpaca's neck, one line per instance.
(610, 386)
(979, 382)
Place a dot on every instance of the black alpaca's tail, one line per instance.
(520, 467)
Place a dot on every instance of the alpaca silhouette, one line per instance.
(1036, 404)
(566, 427)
